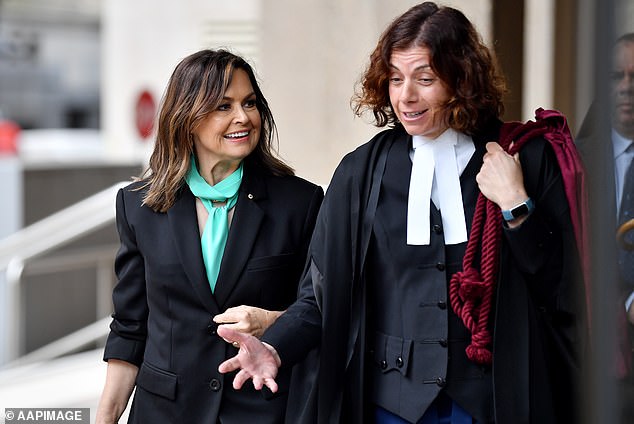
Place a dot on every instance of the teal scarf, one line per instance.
(214, 237)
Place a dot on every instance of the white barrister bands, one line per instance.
(436, 169)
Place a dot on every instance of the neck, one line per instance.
(213, 173)
(626, 131)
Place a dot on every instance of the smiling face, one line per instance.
(416, 93)
(229, 133)
(623, 89)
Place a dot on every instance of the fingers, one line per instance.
(258, 383)
(271, 384)
(229, 365)
(231, 335)
(240, 378)
(231, 315)
(492, 147)
(237, 326)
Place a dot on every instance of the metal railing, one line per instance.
(24, 253)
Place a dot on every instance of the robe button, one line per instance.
(442, 304)
(214, 384)
(443, 342)
(440, 266)
(383, 364)
(441, 382)
(399, 362)
(211, 328)
(437, 229)
(250, 196)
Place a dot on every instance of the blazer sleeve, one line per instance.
(128, 329)
(302, 319)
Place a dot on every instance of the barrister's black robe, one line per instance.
(538, 336)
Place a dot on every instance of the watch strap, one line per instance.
(519, 210)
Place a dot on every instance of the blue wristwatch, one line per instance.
(519, 210)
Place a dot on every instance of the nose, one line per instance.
(408, 92)
(240, 115)
(626, 83)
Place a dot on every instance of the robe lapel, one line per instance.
(244, 229)
(183, 225)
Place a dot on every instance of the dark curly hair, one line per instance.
(458, 57)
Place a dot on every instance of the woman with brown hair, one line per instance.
(401, 339)
(215, 234)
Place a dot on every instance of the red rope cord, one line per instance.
(471, 290)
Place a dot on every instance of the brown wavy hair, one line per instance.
(195, 89)
(458, 57)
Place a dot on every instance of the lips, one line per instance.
(408, 116)
(237, 135)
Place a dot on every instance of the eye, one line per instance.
(395, 80)
(615, 76)
(249, 104)
(223, 107)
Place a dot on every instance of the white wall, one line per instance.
(311, 65)
(308, 54)
(143, 40)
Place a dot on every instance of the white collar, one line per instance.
(452, 151)
(619, 143)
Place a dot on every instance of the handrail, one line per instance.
(42, 237)
(67, 344)
(61, 227)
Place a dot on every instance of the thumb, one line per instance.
(230, 334)
(492, 146)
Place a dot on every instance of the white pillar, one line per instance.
(539, 33)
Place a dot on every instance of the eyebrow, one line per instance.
(251, 94)
(418, 68)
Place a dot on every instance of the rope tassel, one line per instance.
(471, 290)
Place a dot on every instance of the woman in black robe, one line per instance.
(398, 341)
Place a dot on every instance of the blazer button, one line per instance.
(441, 382)
(214, 384)
(211, 328)
(442, 304)
(399, 362)
(440, 266)
(383, 364)
(443, 342)
(437, 229)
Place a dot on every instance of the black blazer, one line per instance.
(163, 305)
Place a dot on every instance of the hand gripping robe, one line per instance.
(537, 322)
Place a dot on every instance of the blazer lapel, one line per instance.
(244, 229)
(183, 224)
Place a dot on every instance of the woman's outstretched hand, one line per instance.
(255, 360)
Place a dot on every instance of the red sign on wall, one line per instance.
(9, 132)
(145, 114)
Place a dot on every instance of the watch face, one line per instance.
(519, 210)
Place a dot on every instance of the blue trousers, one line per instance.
(443, 410)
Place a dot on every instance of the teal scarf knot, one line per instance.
(214, 237)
